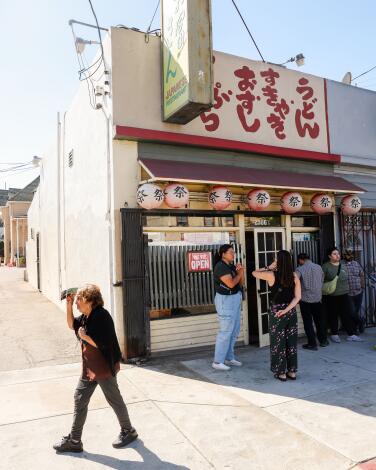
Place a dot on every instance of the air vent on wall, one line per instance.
(70, 159)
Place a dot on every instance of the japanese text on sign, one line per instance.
(199, 261)
(261, 97)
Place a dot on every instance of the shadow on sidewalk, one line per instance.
(150, 460)
(341, 375)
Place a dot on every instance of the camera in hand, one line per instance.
(67, 292)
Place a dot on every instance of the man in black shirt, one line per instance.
(228, 280)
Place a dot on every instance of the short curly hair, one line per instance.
(91, 293)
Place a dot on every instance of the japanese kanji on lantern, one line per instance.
(351, 205)
(176, 195)
(321, 203)
(258, 199)
(291, 202)
(150, 196)
(220, 197)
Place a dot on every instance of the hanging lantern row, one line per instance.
(176, 196)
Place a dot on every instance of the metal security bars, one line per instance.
(171, 286)
(358, 233)
(310, 247)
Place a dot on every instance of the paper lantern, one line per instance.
(351, 205)
(150, 196)
(258, 199)
(220, 197)
(291, 202)
(176, 195)
(321, 203)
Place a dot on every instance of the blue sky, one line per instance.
(39, 65)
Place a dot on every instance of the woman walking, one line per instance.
(283, 324)
(228, 280)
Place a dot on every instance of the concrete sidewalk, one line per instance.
(191, 417)
(33, 330)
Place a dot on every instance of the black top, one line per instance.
(222, 269)
(100, 327)
(280, 294)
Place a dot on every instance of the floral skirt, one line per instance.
(283, 340)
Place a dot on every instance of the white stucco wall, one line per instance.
(43, 218)
(33, 216)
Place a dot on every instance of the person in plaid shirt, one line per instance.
(356, 287)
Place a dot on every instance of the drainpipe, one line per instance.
(18, 246)
(58, 202)
(109, 215)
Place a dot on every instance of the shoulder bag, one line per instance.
(329, 287)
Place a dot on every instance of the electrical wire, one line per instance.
(249, 32)
(98, 28)
(155, 12)
(367, 71)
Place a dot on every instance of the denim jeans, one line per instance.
(229, 309)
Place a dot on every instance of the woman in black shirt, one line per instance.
(228, 280)
(283, 323)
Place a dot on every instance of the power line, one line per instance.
(98, 28)
(367, 71)
(249, 32)
(155, 12)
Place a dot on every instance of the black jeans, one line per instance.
(82, 395)
(313, 312)
(339, 306)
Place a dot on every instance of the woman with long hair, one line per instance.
(283, 323)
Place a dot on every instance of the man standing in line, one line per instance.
(356, 287)
(312, 277)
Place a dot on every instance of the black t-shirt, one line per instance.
(222, 269)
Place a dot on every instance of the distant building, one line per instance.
(14, 204)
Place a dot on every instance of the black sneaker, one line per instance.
(67, 445)
(309, 346)
(324, 344)
(125, 437)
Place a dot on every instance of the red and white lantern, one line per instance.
(351, 205)
(321, 203)
(150, 196)
(258, 199)
(220, 197)
(176, 195)
(291, 202)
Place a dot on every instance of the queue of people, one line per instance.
(325, 293)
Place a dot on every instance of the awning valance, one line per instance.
(190, 172)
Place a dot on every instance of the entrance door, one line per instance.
(268, 241)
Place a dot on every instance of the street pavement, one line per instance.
(188, 415)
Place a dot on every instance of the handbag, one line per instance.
(329, 287)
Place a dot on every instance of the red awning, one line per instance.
(188, 172)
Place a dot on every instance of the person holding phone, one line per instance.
(283, 322)
(228, 282)
(101, 357)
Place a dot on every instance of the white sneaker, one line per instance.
(336, 339)
(234, 362)
(354, 338)
(220, 366)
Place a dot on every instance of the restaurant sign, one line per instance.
(187, 59)
(199, 261)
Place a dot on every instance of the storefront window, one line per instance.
(180, 271)
(305, 221)
(188, 221)
(272, 221)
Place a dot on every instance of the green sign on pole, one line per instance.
(187, 80)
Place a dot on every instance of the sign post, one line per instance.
(187, 58)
